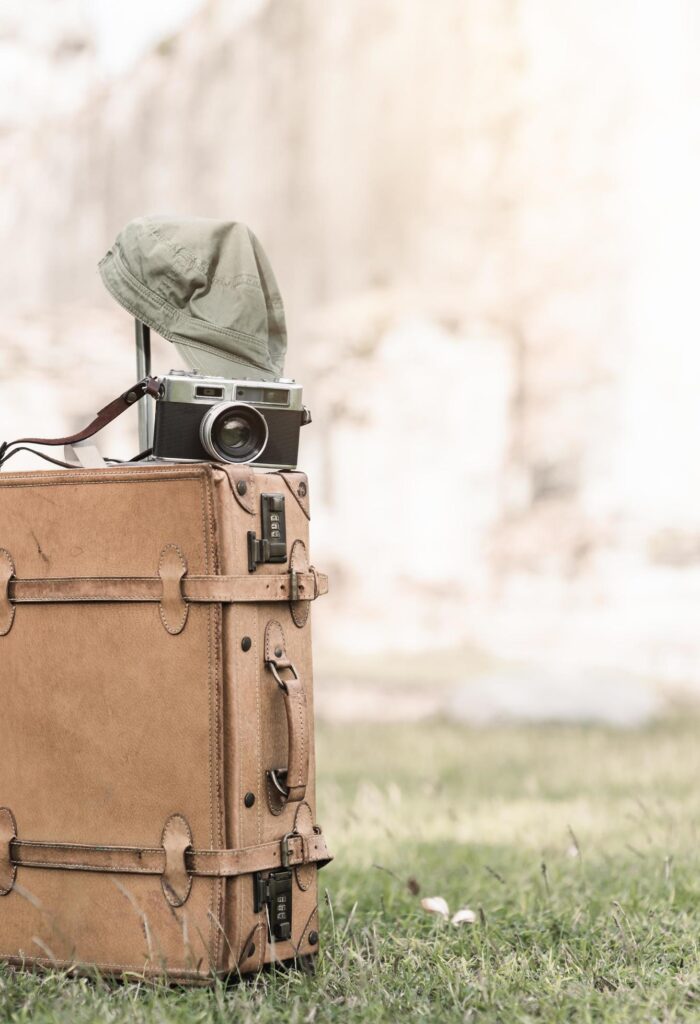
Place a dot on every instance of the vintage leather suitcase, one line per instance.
(156, 731)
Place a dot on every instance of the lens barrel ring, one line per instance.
(244, 421)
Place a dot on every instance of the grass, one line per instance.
(576, 847)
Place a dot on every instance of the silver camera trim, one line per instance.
(180, 385)
(205, 432)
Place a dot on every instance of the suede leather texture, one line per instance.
(112, 722)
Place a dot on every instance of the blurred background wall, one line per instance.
(483, 215)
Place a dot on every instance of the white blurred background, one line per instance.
(483, 216)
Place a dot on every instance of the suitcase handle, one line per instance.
(296, 708)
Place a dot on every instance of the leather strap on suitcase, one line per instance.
(175, 858)
(200, 589)
(172, 589)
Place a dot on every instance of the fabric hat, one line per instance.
(207, 286)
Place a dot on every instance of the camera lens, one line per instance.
(233, 432)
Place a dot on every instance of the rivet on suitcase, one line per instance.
(156, 735)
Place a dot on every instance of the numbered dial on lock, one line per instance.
(271, 546)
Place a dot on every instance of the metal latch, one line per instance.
(274, 893)
(271, 546)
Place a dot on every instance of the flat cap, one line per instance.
(207, 286)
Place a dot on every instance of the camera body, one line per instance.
(199, 418)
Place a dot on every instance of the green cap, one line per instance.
(207, 286)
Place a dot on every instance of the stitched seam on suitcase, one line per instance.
(217, 612)
(258, 706)
(101, 869)
(116, 968)
(33, 844)
(69, 479)
(214, 724)
(97, 480)
(218, 886)
(302, 738)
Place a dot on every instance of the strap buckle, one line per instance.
(293, 585)
(285, 852)
(278, 778)
(272, 665)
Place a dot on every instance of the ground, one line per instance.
(576, 847)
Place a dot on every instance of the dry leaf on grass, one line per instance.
(436, 905)
(464, 916)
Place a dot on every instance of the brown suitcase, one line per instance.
(156, 733)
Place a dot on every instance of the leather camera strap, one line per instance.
(147, 386)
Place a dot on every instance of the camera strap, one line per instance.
(147, 386)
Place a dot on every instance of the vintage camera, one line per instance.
(201, 418)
